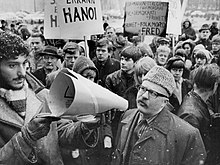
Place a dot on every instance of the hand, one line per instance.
(37, 128)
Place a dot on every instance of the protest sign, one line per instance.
(79, 18)
(174, 17)
(51, 25)
(71, 94)
(149, 17)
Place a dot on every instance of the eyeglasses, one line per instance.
(152, 93)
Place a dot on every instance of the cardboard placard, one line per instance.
(174, 17)
(71, 94)
(79, 18)
(51, 25)
(149, 17)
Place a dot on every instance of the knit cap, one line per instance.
(161, 77)
(82, 63)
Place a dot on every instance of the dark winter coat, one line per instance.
(206, 43)
(195, 111)
(118, 82)
(214, 108)
(167, 140)
(186, 87)
(189, 32)
(110, 66)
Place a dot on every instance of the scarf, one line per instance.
(16, 98)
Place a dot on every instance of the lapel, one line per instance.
(34, 105)
(7, 115)
(127, 126)
(161, 123)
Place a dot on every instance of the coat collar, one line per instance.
(9, 116)
(161, 122)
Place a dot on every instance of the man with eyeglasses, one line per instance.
(151, 134)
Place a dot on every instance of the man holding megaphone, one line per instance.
(28, 133)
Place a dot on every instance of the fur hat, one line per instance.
(161, 77)
(82, 63)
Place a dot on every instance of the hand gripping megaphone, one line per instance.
(71, 94)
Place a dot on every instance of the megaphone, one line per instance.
(71, 94)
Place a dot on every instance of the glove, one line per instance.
(37, 128)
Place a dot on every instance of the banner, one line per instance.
(71, 94)
(51, 25)
(148, 17)
(79, 18)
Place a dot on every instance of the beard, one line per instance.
(9, 86)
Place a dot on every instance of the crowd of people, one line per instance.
(173, 94)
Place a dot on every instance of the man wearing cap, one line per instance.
(71, 52)
(50, 58)
(151, 134)
(162, 41)
(27, 137)
(204, 33)
(194, 109)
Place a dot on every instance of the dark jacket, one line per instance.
(214, 31)
(186, 87)
(118, 82)
(214, 108)
(47, 150)
(189, 32)
(195, 111)
(206, 43)
(167, 140)
(41, 75)
(110, 66)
